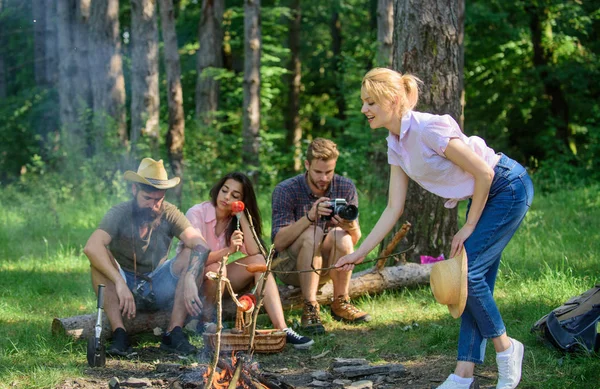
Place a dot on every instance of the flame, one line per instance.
(222, 379)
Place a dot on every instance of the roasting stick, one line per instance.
(213, 366)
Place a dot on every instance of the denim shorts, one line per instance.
(163, 284)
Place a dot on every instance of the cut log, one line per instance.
(82, 326)
(370, 281)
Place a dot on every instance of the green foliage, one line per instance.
(507, 102)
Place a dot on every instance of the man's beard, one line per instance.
(317, 185)
(147, 215)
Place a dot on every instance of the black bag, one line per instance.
(574, 325)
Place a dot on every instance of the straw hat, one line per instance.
(448, 280)
(153, 173)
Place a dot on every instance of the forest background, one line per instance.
(86, 88)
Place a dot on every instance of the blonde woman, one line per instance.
(433, 151)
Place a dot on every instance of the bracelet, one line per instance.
(312, 221)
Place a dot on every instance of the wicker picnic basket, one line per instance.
(265, 341)
(238, 339)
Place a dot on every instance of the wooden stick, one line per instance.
(236, 375)
(259, 298)
(262, 249)
(213, 366)
(401, 233)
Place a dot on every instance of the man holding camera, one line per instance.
(128, 254)
(309, 232)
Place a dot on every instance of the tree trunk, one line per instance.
(365, 282)
(144, 75)
(176, 132)
(385, 32)
(251, 104)
(541, 31)
(3, 87)
(39, 42)
(106, 70)
(210, 36)
(338, 74)
(51, 38)
(82, 80)
(426, 44)
(294, 130)
(73, 134)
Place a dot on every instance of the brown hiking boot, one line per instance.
(342, 310)
(311, 320)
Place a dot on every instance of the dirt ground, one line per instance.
(149, 367)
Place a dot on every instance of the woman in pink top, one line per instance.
(214, 219)
(433, 151)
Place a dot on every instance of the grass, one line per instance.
(44, 274)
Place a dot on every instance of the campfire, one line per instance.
(240, 373)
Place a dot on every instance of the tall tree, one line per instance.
(385, 32)
(251, 104)
(73, 134)
(543, 57)
(144, 74)
(2, 54)
(426, 44)
(176, 132)
(210, 37)
(106, 70)
(294, 130)
(336, 59)
(51, 39)
(82, 80)
(39, 42)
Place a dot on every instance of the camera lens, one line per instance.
(348, 212)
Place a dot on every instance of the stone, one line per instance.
(133, 382)
(321, 375)
(319, 384)
(114, 383)
(339, 362)
(365, 384)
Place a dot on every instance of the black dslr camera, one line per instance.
(342, 208)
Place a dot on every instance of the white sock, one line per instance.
(506, 352)
(461, 380)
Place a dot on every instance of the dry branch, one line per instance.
(398, 236)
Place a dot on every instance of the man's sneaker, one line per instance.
(120, 345)
(509, 366)
(452, 384)
(311, 319)
(342, 310)
(176, 341)
(298, 341)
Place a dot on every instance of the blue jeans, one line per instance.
(509, 200)
(163, 284)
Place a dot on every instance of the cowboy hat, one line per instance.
(448, 280)
(153, 173)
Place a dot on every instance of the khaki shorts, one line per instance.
(286, 261)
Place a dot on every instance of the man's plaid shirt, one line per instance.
(292, 199)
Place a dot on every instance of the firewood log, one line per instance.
(370, 281)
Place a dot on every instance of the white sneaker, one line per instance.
(451, 384)
(509, 367)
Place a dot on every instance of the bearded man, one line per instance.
(308, 234)
(128, 254)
